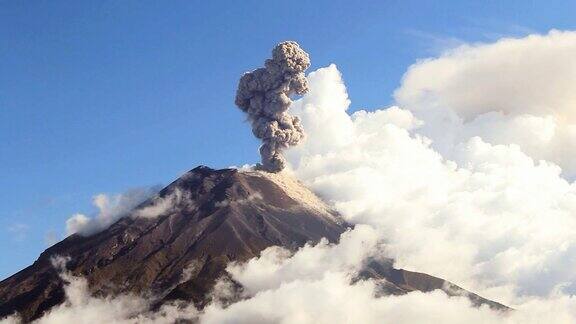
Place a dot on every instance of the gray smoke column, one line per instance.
(264, 94)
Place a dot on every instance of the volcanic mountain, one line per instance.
(206, 218)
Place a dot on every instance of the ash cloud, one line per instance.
(264, 94)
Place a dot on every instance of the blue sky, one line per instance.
(103, 96)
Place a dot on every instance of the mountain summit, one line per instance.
(175, 245)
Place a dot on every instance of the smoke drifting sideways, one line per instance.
(264, 94)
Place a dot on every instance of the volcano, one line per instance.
(177, 244)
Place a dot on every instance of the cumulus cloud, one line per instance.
(493, 218)
(314, 285)
(488, 216)
(514, 91)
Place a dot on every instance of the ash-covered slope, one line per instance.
(175, 245)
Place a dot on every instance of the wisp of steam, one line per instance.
(264, 94)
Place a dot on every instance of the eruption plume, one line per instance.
(264, 94)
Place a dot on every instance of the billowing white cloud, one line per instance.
(110, 209)
(276, 266)
(490, 217)
(514, 91)
(81, 307)
(332, 299)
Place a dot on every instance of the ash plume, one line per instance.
(264, 94)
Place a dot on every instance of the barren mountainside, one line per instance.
(175, 245)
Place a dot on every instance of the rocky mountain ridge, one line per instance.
(175, 245)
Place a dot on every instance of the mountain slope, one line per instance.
(176, 244)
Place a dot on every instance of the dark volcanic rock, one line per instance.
(175, 245)
(391, 281)
(203, 220)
